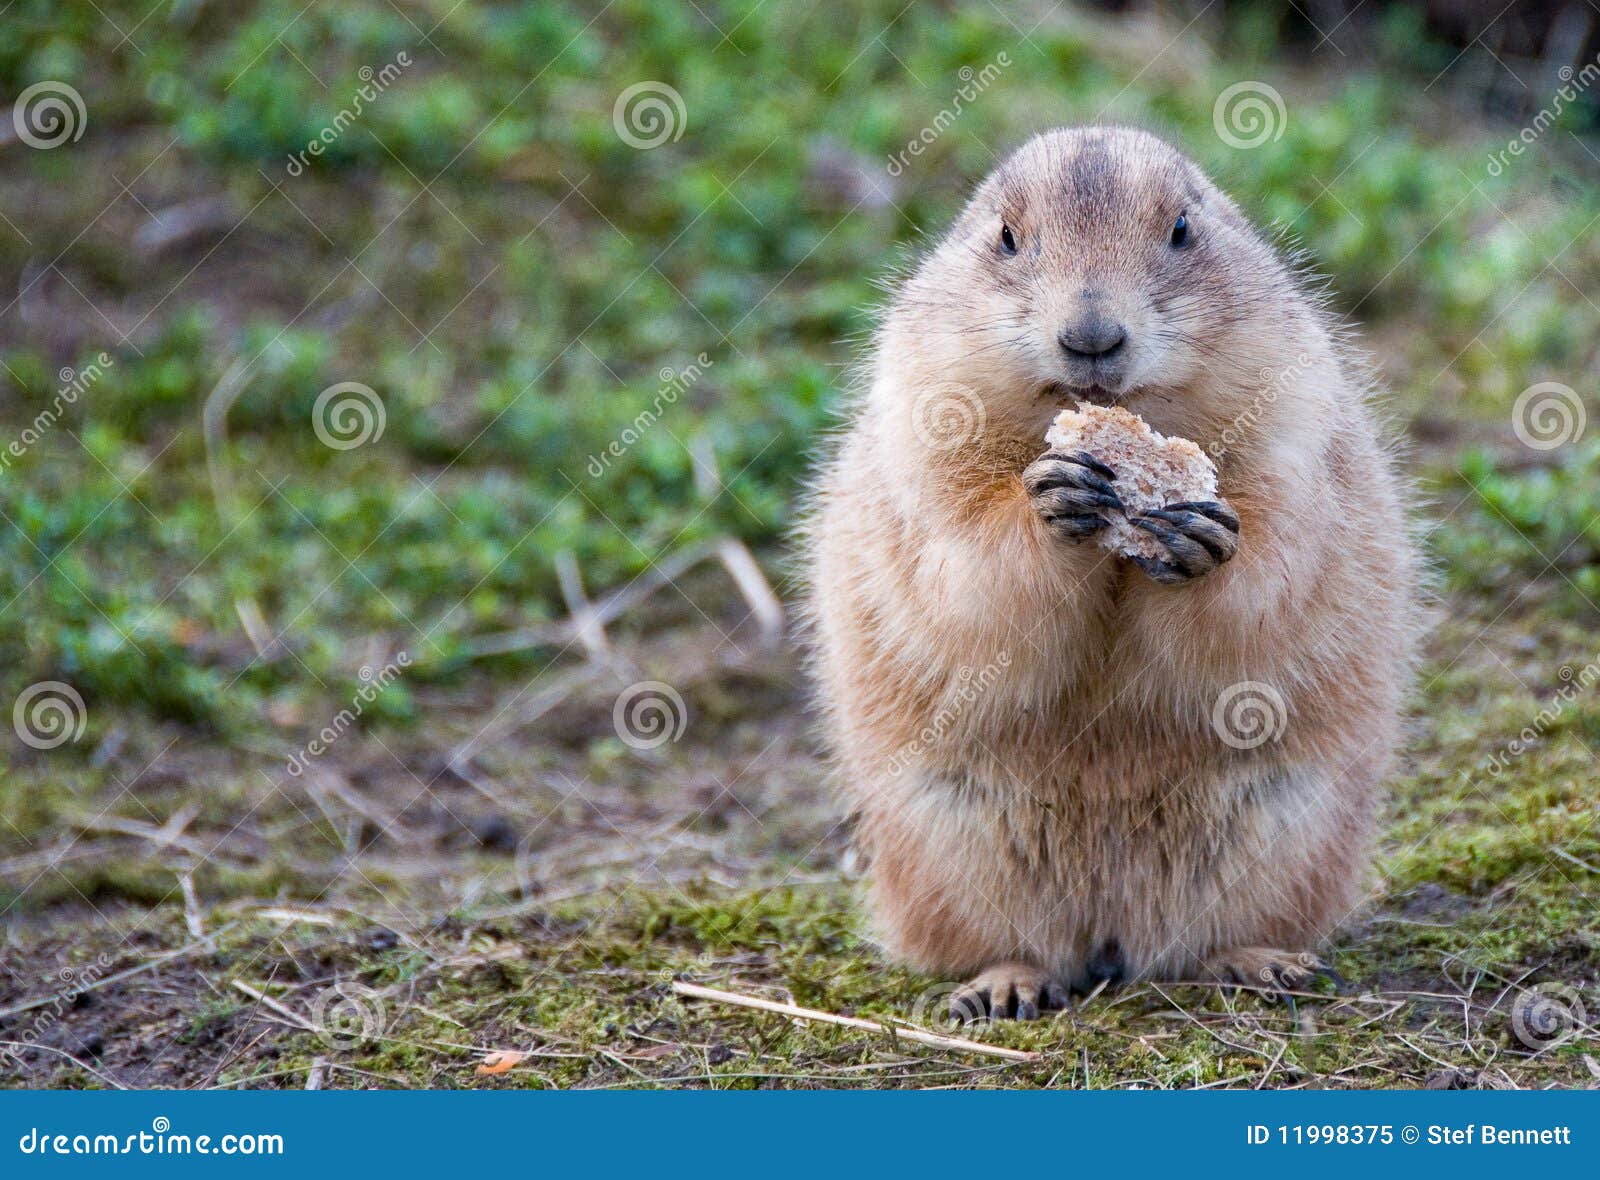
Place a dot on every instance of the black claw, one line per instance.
(1211, 509)
(1185, 526)
(1327, 971)
(1084, 498)
(1027, 1010)
(1076, 479)
(1161, 571)
(1170, 515)
(1178, 545)
(1096, 476)
(1156, 529)
(966, 1007)
(1095, 465)
(1189, 553)
(1078, 527)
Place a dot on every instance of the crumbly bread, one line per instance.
(1152, 469)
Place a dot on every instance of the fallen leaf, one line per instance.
(498, 1062)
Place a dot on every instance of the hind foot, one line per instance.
(1265, 969)
(1004, 991)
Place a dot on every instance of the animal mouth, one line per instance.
(1063, 394)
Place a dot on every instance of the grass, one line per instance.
(526, 296)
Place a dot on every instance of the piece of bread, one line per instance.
(1152, 469)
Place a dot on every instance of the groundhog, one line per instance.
(1070, 765)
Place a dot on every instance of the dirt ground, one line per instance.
(541, 895)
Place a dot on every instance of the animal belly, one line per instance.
(1096, 882)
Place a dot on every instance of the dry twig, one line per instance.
(901, 1031)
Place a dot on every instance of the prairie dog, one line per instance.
(1068, 767)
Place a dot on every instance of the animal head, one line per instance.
(1095, 264)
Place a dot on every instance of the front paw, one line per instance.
(1198, 536)
(1071, 493)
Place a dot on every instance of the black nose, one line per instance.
(1092, 337)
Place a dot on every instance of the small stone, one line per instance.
(495, 832)
(383, 939)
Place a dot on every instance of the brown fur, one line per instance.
(1024, 724)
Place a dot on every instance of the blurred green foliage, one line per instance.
(482, 248)
(1550, 514)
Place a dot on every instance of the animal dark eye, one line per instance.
(1008, 240)
(1180, 231)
